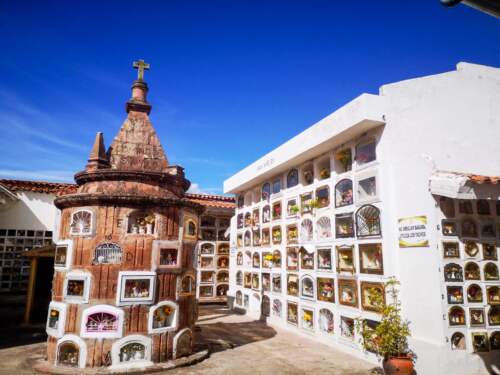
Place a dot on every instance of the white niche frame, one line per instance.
(117, 345)
(77, 275)
(123, 276)
(105, 309)
(175, 319)
(69, 255)
(59, 331)
(82, 349)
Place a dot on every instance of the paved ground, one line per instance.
(239, 345)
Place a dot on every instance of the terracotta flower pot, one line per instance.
(401, 365)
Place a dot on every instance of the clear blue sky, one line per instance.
(229, 80)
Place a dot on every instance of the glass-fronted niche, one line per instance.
(344, 161)
(468, 249)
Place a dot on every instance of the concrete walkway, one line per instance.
(239, 345)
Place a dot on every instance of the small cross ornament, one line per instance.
(140, 65)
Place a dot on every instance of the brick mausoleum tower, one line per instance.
(124, 284)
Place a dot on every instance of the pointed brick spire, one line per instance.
(136, 147)
(98, 158)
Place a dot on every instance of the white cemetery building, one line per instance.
(404, 184)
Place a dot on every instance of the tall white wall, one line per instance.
(449, 122)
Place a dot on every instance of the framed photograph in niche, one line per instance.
(266, 282)
(276, 259)
(246, 301)
(347, 327)
(495, 341)
(206, 291)
(292, 315)
(255, 281)
(345, 259)
(372, 296)
(207, 262)
(471, 249)
(451, 250)
(474, 294)
(480, 342)
(265, 239)
(292, 207)
(348, 293)
(267, 259)
(343, 193)
(366, 189)
(239, 221)
(135, 287)
(190, 229)
(488, 229)
(370, 258)
(265, 192)
(255, 217)
(472, 271)
(326, 289)
(77, 287)
(276, 283)
(292, 284)
(169, 257)
(239, 240)
(456, 316)
(455, 294)
(266, 214)
(324, 256)
(256, 237)
(490, 272)
(247, 280)
(56, 319)
(207, 249)
(493, 295)
(326, 321)
(344, 225)
(292, 258)
(306, 200)
(449, 228)
(248, 220)
(453, 273)
(489, 251)
(62, 257)
(469, 228)
(306, 259)
(276, 235)
(308, 174)
(308, 319)
(477, 317)
(207, 277)
(277, 308)
(458, 341)
(276, 213)
(307, 287)
(323, 196)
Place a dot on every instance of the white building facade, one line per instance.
(382, 187)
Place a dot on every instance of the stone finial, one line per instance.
(138, 102)
(98, 158)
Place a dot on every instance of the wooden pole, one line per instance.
(31, 290)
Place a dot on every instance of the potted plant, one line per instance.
(389, 339)
(325, 173)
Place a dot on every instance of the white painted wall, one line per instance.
(32, 211)
(448, 121)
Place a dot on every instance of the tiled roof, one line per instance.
(478, 179)
(34, 186)
(209, 200)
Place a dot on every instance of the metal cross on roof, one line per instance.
(140, 65)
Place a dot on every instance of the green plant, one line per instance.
(390, 336)
(294, 209)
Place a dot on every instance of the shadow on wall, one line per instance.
(491, 361)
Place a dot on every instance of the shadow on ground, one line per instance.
(220, 336)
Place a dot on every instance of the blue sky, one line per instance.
(229, 80)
